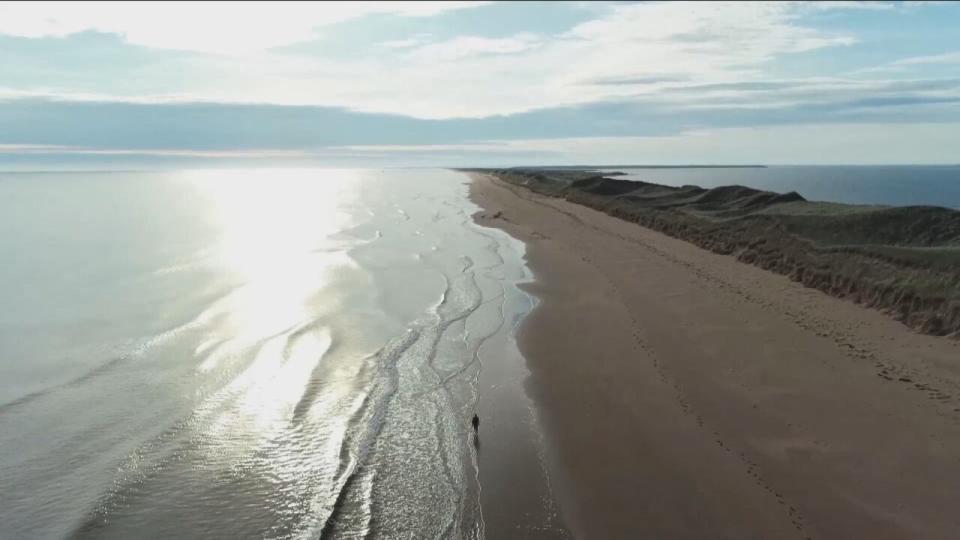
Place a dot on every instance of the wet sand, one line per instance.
(687, 395)
(516, 495)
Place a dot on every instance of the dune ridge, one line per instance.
(904, 261)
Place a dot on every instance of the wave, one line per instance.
(138, 350)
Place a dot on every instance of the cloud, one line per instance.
(209, 27)
(813, 93)
(731, 33)
(854, 5)
(934, 59)
(638, 81)
(838, 144)
(62, 150)
(466, 46)
(407, 43)
(612, 80)
(842, 144)
(224, 127)
(951, 58)
(471, 75)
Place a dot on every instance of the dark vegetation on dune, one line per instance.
(902, 260)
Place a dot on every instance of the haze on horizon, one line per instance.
(477, 83)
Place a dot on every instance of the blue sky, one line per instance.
(478, 83)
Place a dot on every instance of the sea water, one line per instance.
(246, 353)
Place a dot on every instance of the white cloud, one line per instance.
(465, 46)
(833, 144)
(933, 59)
(211, 27)
(410, 42)
(466, 76)
(31, 148)
(753, 30)
(472, 76)
(837, 144)
(45, 149)
(485, 146)
(906, 64)
(853, 5)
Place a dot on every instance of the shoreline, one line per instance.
(689, 395)
(516, 496)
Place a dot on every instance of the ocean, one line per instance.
(281, 353)
(898, 185)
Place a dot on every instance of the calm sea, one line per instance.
(890, 185)
(249, 353)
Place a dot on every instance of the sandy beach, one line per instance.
(685, 394)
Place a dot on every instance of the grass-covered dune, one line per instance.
(902, 260)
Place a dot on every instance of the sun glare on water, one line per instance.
(276, 228)
(278, 241)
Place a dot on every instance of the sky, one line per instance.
(92, 84)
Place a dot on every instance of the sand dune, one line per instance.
(904, 261)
